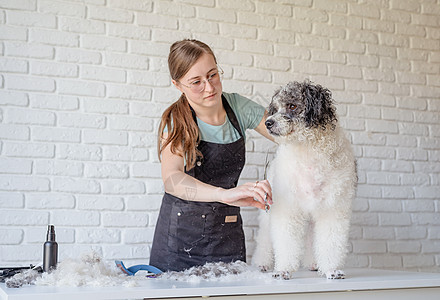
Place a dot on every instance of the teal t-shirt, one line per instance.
(247, 112)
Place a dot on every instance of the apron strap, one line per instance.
(231, 115)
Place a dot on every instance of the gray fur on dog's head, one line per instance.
(302, 104)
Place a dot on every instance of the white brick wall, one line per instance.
(83, 84)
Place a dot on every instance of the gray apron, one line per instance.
(191, 233)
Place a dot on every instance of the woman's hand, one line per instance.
(248, 194)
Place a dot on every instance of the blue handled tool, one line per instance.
(133, 269)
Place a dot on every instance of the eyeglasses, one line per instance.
(198, 86)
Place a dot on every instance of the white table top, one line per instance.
(304, 282)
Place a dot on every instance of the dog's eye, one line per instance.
(292, 107)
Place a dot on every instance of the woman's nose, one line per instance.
(208, 86)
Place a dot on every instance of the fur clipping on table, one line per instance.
(218, 271)
(23, 278)
(90, 270)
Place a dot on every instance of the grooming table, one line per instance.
(359, 284)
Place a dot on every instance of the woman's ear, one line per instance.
(177, 85)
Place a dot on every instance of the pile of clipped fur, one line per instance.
(90, 270)
(23, 278)
(219, 271)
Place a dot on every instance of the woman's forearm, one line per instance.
(186, 187)
(256, 194)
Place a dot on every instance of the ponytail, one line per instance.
(183, 132)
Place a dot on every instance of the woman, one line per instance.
(202, 150)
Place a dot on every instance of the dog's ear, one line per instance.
(319, 111)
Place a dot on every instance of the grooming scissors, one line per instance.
(266, 163)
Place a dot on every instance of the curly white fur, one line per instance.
(313, 180)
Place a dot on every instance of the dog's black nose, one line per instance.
(269, 123)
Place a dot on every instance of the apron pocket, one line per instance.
(187, 229)
(229, 231)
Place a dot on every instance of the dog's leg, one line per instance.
(263, 255)
(309, 258)
(287, 232)
(331, 236)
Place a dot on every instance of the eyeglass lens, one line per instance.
(199, 86)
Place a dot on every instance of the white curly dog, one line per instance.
(313, 178)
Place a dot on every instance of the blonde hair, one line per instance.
(183, 132)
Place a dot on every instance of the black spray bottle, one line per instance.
(50, 250)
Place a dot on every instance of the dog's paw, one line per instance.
(286, 275)
(336, 274)
(264, 269)
(313, 267)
